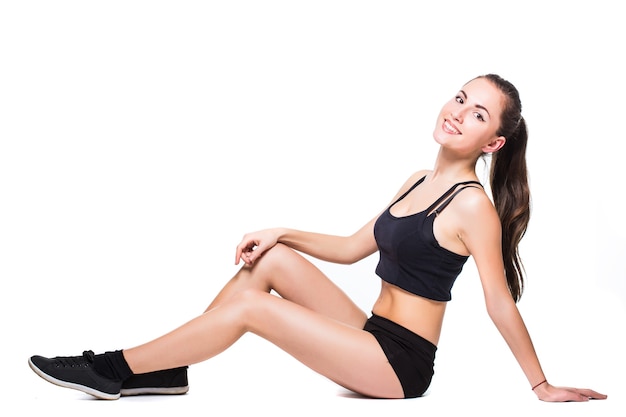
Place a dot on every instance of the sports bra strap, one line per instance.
(418, 182)
(437, 207)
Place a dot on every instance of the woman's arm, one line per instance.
(331, 248)
(482, 237)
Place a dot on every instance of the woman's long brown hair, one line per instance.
(509, 183)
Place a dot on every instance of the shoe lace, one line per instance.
(74, 361)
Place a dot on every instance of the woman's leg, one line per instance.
(294, 278)
(345, 354)
(314, 321)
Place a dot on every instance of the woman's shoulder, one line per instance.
(409, 182)
(414, 179)
(416, 176)
(474, 204)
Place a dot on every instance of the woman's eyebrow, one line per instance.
(480, 106)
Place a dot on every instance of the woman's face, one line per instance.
(468, 123)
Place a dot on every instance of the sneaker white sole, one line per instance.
(126, 392)
(98, 394)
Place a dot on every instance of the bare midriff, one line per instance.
(418, 314)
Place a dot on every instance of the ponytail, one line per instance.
(509, 184)
(511, 196)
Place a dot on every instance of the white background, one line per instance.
(139, 140)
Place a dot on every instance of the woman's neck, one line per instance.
(453, 170)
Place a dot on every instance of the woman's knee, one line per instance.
(276, 253)
(249, 305)
(273, 260)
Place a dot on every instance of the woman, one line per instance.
(437, 220)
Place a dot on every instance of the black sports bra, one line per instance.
(410, 256)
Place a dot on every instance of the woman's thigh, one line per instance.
(292, 276)
(345, 354)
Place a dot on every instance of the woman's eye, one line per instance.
(479, 117)
(459, 99)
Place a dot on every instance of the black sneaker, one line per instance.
(166, 382)
(76, 372)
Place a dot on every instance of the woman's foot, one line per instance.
(76, 372)
(166, 382)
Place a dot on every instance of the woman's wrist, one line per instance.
(539, 384)
(541, 389)
(281, 234)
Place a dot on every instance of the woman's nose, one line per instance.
(457, 114)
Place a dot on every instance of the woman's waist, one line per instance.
(418, 314)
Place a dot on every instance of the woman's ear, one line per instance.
(494, 145)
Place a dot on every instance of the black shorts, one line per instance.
(411, 356)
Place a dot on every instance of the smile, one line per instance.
(449, 128)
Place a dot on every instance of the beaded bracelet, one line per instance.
(533, 388)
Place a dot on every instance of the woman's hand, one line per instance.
(547, 392)
(254, 244)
